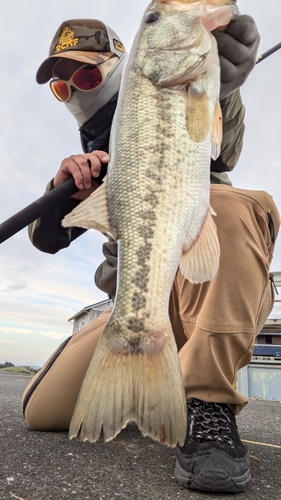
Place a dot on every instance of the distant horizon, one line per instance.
(20, 365)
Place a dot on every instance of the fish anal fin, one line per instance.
(145, 387)
(217, 132)
(197, 113)
(92, 213)
(200, 262)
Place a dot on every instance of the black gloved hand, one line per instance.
(106, 273)
(237, 46)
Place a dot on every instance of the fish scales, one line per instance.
(155, 202)
(157, 190)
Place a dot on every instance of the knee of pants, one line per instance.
(50, 398)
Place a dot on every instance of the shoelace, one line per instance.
(209, 422)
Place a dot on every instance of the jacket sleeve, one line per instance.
(106, 273)
(47, 233)
(233, 113)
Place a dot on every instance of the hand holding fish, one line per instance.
(82, 167)
(237, 46)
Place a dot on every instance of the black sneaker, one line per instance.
(213, 457)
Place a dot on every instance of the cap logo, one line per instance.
(66, 39)
(118, 45)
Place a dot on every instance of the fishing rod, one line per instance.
(43, 205)
(60, 193)
(36, 209)
(268, 53)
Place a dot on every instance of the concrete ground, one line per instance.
(46, 465)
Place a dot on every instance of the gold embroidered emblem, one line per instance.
(66, 39)
(118, 45)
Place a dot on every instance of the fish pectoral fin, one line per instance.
(197, 113)
(127, 383)
(200, 262)
(92, 213)
(217, 132)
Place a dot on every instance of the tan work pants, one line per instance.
(214, 323)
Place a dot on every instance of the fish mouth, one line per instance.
(182, 4)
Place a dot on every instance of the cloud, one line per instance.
(5, 330)
(8, 330)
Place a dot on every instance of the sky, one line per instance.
(40, 292)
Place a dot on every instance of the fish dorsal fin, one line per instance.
(197, 114)
(200, 262)
(92, 213)
(217, 132)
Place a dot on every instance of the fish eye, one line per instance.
(151, 17)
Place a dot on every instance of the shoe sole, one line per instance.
(212, 480)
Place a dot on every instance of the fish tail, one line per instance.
(141, 384)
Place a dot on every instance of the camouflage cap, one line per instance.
(86, 40)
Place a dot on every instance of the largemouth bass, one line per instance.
(155, 202)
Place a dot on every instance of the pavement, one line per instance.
(47, 466)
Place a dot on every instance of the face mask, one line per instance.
(83, 105)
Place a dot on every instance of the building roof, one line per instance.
(271, 326)
(87, 309)
(270, 333)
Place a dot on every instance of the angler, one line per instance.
(219, 318)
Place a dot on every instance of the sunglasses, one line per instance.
(86, 78)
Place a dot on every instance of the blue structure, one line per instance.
(267, 350)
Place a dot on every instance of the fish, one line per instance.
(155, 202)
